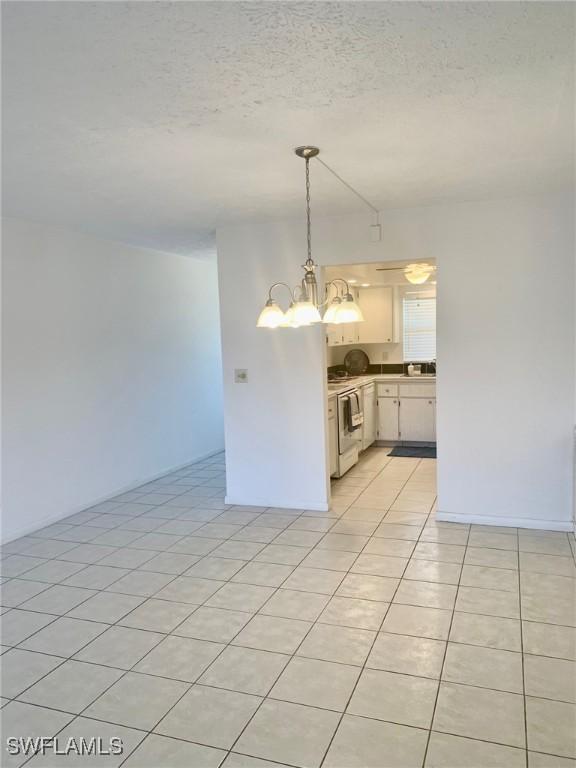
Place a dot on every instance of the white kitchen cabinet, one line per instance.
(388, 418)
(381, 321)
(335, 335)
(350, 331)
(369, 410)
(332, 437)
(417, 421)
(338, 335)
(346, 333)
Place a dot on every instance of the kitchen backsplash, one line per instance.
(381, 354)
(385, 368)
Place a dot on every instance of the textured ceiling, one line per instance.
(152, 122)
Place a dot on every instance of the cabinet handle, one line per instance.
(429, 402)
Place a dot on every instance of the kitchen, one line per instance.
(382, 370)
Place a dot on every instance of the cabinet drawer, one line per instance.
(418, 390)
(331, 409)
(387, 390)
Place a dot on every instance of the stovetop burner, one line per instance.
(336, 377)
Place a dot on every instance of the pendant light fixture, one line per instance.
(305, 305)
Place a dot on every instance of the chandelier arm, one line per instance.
(302, 288)
(341, 280)
(327, 286)
(275, 285)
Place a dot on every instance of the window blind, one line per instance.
(419, 329)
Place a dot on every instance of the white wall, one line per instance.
(274, 424)
(504, 431)
(111, 370)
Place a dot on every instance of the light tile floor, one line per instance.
(367, 637)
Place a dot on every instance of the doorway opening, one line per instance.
(381, 387)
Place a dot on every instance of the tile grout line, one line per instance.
(430, 731)
(522, 657)
(342, 512)
(344, 711)
(293, 655)
(125, 672)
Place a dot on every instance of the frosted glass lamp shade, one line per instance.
(349, 311)
(271, 316)
(306, 313)
(330, 316)
(290, 319)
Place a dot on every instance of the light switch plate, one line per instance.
(240, 376)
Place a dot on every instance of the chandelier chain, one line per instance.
(309, 261)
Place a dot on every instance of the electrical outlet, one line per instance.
(240, 376)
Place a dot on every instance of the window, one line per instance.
(419, 329)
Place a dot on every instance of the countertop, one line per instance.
(335, 388)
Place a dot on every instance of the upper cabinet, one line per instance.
(346, 333)
(380, 307)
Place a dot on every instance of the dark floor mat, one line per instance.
(414, 452)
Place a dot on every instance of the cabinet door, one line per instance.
(417, 419)
(378, 308)
(369, 410)
(335, 335)
(333, 445)
(350, 331)
(387, 418)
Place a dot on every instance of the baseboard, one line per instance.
(506, 522)
(252, 501)
(28, 529)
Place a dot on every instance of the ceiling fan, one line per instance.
(414, 273)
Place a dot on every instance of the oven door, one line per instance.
(347, 438)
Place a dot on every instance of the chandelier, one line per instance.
(304, 303)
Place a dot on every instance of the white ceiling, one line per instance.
(153, 122)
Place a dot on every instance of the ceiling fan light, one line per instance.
(271, 316)
(417, 274)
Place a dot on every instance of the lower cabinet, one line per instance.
(409, 419)
(369, 410)
(417, 422)
(388, 418)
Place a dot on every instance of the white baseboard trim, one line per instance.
(43, 522)
(507, 522)
(252, 501)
